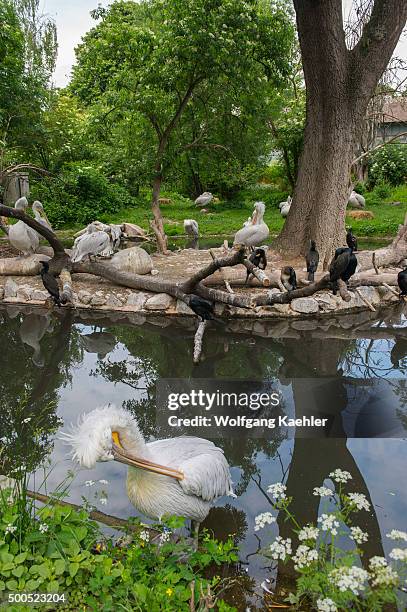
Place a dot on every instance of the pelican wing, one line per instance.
(251, 235)
(206, 471)
(90, 244)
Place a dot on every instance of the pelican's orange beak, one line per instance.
(124, 457)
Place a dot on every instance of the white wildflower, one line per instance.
(308, 533)
(43, 528)
(349, 579)
(104, 482)
(329, 523)
(377, 562)
(27, 420)
(323, 491)
(359, 500)
(266, 518)
(304, 556)
(89, 483)
(358, 535)
(326, 605)
(395, 534)
(103, 501)
(280, 548)
(165, 537)
(398, 554)
(277, 490)
(144, 535)
(11, 528)
(339, 475)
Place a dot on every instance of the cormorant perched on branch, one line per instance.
(50, 283)
(351, 240)
(343, 266)
(402, 282)
(203, 308)
(257, 258)
(312, 259)
(289, 278)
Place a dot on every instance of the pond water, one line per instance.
(54, 367)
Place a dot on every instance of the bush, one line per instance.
(389, 165)
(79, 195)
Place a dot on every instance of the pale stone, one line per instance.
(282, 308)
(154, 272)
(98, 300)
(1, 293)
(327, 301)
(305, 305)
(113, 301)
(39, 296)
(84, 296)
(134, 260)
(183, 308)
(24, 293)
(161, 301)
(137, 300)
(370, 293)
(10, 288)
(133, 231)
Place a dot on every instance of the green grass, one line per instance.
(226, 217)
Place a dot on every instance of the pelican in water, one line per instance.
(191, 228)
(40, 214)
(179, 476)
(256, 232)
(21, 236)
(92, 242)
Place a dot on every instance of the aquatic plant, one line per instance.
(328, 575)
(58, 549)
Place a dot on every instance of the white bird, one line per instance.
(285, 206)
(257, 232)
(356, 200)
(40, 214)
(93, 242)
(191, 228)
(178, 476)
(21, 236)
(205, 198)
(116, 233)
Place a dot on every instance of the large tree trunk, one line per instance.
(340, 83)
(157, 223)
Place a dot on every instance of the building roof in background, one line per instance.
(394, 111)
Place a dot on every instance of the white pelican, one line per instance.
(21, 236)
(178, 476)
(93, 242)
(204, 199)
(191, 228)
(356, 200)
(40, 215)
(285, 206)
(254, 234)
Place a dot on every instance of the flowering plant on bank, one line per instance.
(329, 578)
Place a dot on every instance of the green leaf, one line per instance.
(19, 571)
(73, 569)
(59, 567)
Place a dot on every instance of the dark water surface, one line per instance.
(55, 367)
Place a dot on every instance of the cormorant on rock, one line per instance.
(351, 240)
(259, 259)
(312, 259)
(289, 278)
(402, 282)
(343, 266)
(203, 308)
(50, 283)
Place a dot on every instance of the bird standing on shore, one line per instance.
(204, 309)
(40, 214)
(343, 266)
(312, 260)
(50, 283)
(191, 228)
(204, 199)
(259, 259)
(351, 240)
(92, 243)
(21, 236)
(257, 232)
(289, 278)
(402, 282)
(181, 476)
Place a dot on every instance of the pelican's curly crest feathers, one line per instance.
(91, 437)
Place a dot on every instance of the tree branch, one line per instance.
(383, 144)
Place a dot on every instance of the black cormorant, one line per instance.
(203, 308)
(257, 258)
(312, 259)
(289, 278)
(351, 240)
(50, 283)
(343, 266)
(402, 282)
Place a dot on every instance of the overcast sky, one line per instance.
(73, 20)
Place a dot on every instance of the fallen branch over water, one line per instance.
(198, 340)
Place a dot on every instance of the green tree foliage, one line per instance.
(389, 165)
